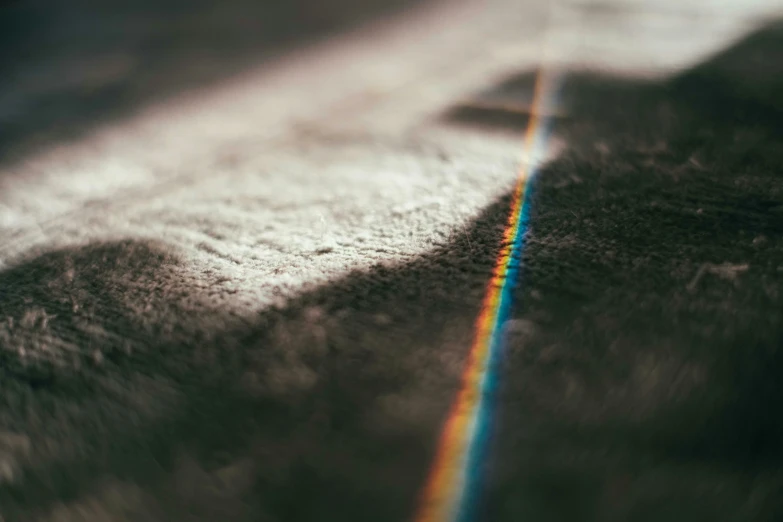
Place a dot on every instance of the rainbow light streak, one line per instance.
(453, 489)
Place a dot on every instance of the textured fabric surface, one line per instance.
(253, 300)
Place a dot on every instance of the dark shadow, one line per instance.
(68, 66)
(643, 375)
(641, 380)
(490, 117)
(503, 108)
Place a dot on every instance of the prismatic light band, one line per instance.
(453, 489)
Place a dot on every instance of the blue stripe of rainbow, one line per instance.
(452, 492)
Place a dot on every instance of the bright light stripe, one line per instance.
(453, 489)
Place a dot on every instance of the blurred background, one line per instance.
(66, 65)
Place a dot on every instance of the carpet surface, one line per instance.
(241, 280)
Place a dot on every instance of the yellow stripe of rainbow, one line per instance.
(447, 496)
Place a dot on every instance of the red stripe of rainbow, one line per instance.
(452, 489)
